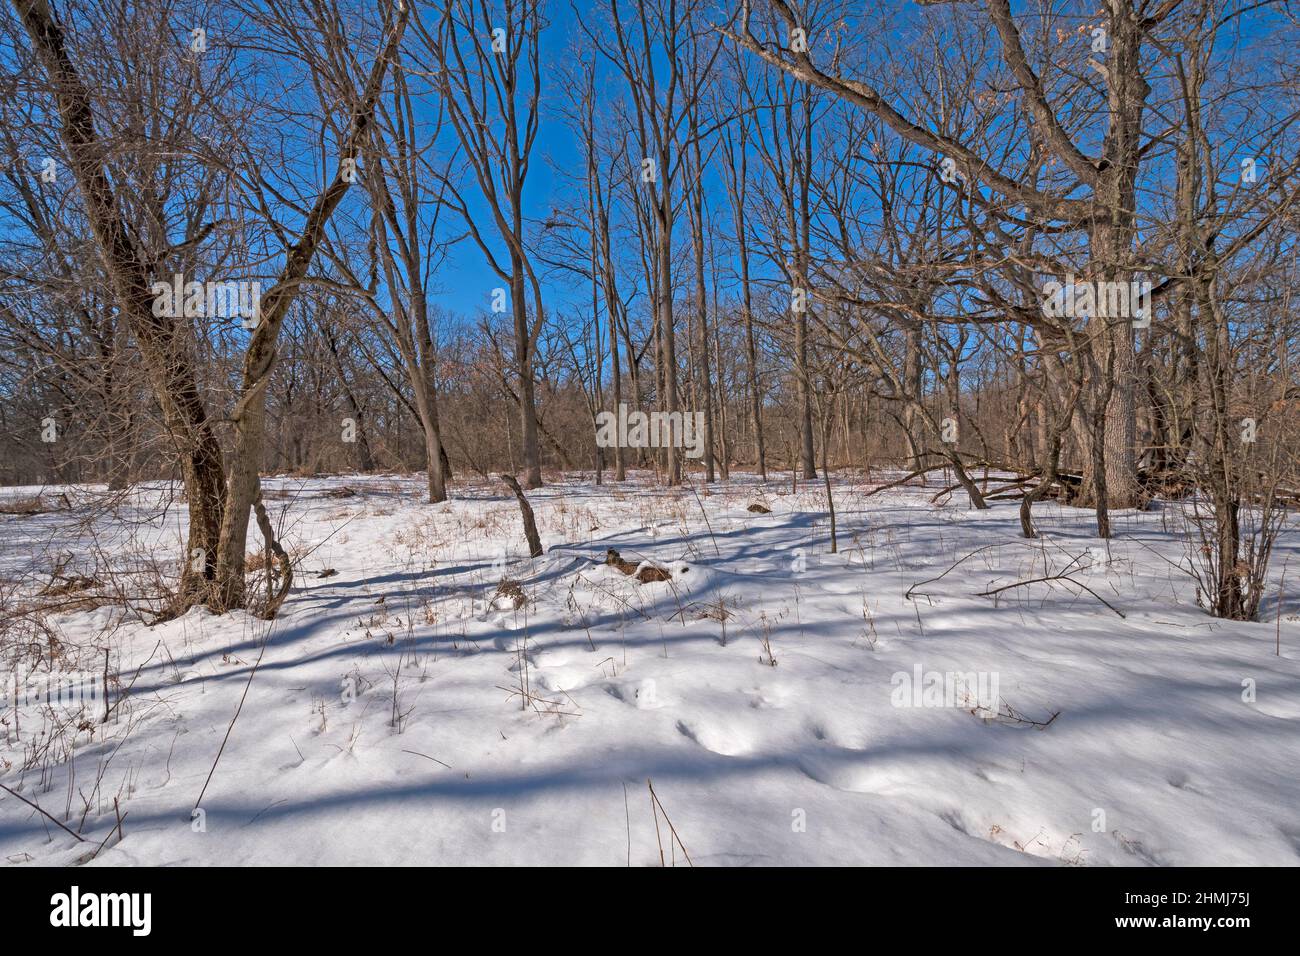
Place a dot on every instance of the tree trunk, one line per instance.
(701, 310)
(527, 392)
(249, 415)
(168, 363)
(1110, 249)
(530, 524)
(667, 335)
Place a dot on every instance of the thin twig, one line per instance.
(238, 710)
(1281, 596)
(987, 547)
(627, 820)
(671, 829)
(1049, 578)
(427, 757)
(42, 812)
(706, 520)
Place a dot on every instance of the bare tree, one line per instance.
(221, 492)
(488, 68)
(665, 52)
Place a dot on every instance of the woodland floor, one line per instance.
(405, 712)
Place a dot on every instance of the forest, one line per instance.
(1005, 293)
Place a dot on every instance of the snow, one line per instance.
(1159, 753)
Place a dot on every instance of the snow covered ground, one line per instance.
(405, 712)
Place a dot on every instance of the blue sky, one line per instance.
(464, 284)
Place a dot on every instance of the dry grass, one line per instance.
(513, 592)
(34, 505)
